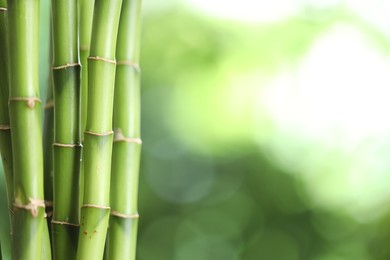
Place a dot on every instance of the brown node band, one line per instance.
(5, 127)
(67, 145)
(101, 59)
(95, 206)
(65, 66)
(132, 64)
(119, 137)
(64, 223)
(29, 100)
(121, 215)
(32, 206)
(49, 104)
(98, 134)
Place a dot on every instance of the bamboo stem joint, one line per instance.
(32, 206)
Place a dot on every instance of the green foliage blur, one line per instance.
(220, 179)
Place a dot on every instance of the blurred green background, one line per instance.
(266, 130)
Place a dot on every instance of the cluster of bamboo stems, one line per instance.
(72, 190)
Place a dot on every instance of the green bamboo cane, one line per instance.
(85, 18)
(66, 147)
(86, 15)
(5, 130)
(122, 234)
(26, 130)
(98, 134)
(48, 140)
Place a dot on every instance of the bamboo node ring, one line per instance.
(121, 215)
(64, 223)
(132, 64)
(29, 100)
(5, 127)
(101, 59)
(98, 134)
(119, 137)
(3, 9)
(65, 66)
(32, 206)
(95, 206)
(67, 145)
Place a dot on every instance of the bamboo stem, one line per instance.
(86, 15)
(67, 139)
(98, 135)
(26, 129)
(122, 234)
(5, 129)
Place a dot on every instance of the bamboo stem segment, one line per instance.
(122, 234)
(98, 132)
(5, 128)
(67, 136)
(25, 119)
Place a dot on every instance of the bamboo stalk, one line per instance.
(122, 234)
(67, 146)
(48, 139)
(5, 129)
(86, 15)
(98, 135)
(26, 129)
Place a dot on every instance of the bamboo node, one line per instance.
(95, 206)
(5, 127)
(11, 210)
(121, 215)
(65, 66)
(49, 104)
(101, 59)
(3, 9)
(32, 206)
(67, 145)
(98, 134)
(119, 137)
(64, 223)
(132, 64)
(29, 100)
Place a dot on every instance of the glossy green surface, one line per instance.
(122, 235)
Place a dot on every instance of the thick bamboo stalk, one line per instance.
(26, 129)
(67, 146)
(98, 134)
(122, 234)
(5, 129)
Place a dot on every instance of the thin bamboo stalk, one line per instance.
(48, 140)
(86, 15)
(85, 18)
(67, 138)
(5, 129)
(26, 130)
(98, 135)
(122, 234)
